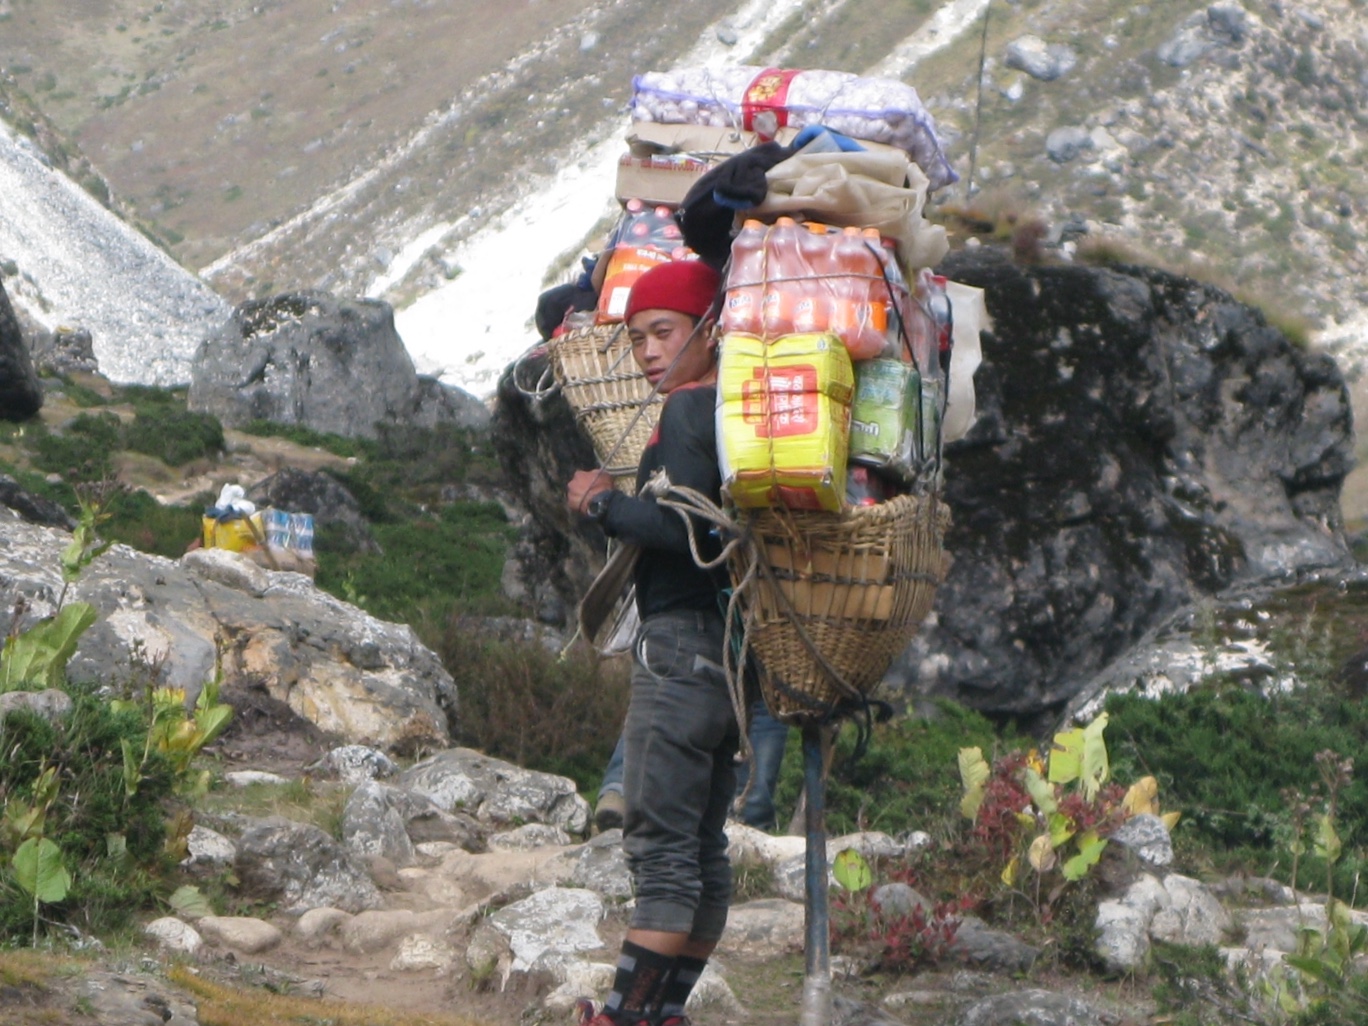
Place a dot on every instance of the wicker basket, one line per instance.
(857, 584)
(604, 387)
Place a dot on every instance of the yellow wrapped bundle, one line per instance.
(783, 420)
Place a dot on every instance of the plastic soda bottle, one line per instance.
(944, 317)
(784, 279)
(813, 312)
(745, 280)
(875, 327)
(856, 267)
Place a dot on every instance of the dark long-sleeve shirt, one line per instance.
(685, 444)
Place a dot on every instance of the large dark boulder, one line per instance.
(21, 395)
(328, 364)
(539, 445)
(1143, 440)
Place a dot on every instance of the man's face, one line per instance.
(658, 336)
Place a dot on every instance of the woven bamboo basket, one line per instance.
(604, 387)
(856, 584)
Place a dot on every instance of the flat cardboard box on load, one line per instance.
(659, 181)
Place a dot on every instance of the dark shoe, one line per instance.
(611, 811)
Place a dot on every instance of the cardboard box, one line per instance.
(783, 420)
(662, 162)
(885, 416)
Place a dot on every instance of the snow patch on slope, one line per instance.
(83, 267)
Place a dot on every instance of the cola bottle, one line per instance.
(745, 280)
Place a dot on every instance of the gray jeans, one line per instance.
(679, 775)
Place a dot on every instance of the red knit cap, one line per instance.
(685, 286)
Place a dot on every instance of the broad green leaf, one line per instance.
(1312, 967)
(974, 773)
(22, 821)
(39, 655)
(1066, 757)
(1061, 829)
(1096, 768)
(211, 722)
(1089, 851)
(1042, 794)
(45, 788)
(1041, 854)
(189, 902)
(851, 870)
(1009, 871)
(1327, 839)
(38, 870)
(132, 767)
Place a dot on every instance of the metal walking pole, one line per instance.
(817, 979)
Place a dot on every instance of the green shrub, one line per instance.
(339, 445)
(84, 449)
(429, 567)
(1223, 755)
(112, 843)
(139, 520)
(174, 436)
(521, 702)
(907, 779)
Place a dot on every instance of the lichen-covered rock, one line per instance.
(297, 358)
(362, 679)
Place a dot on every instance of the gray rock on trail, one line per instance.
(208, 851)
(1064, 144)
(373, 825)
(52, 704)
(1221, 25)
(301, 867)
(1036, 1007)
(555, 921)
(247, 934)
(497, 792)
(352, 764)
(298, 358)
(174, 936)
(1173, 908)
(33, 509)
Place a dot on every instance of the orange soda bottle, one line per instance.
(874, 328)
(745, 280)
(783, 279)
(813, 312)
